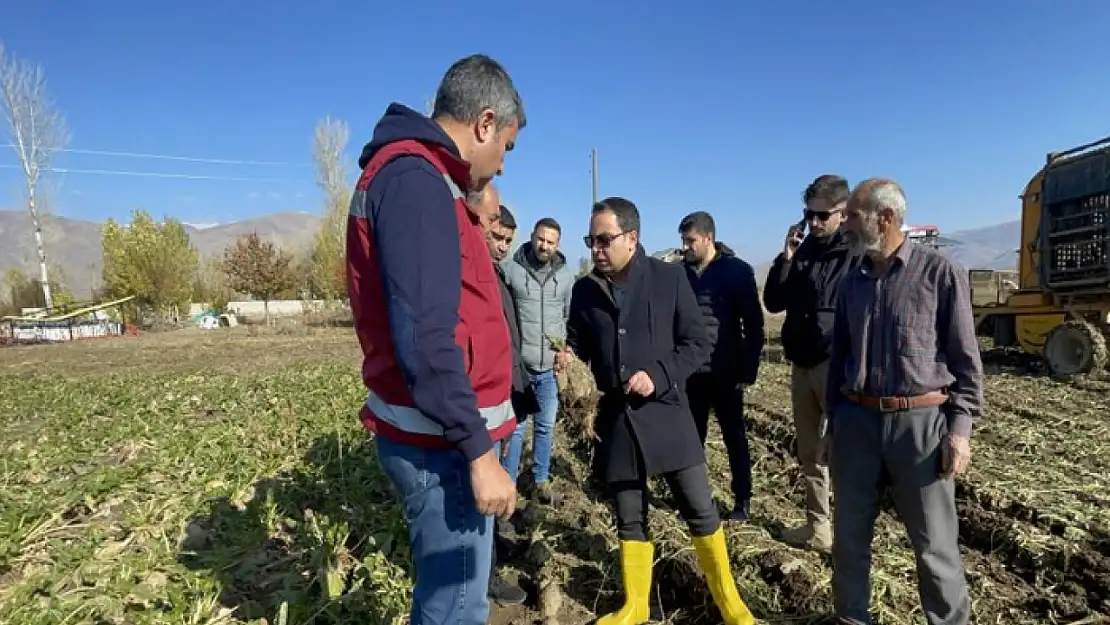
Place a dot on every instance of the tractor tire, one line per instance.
(1074, 348)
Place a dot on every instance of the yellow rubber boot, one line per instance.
(636, 560)
(714, 563)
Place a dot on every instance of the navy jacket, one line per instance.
(806, 288)
(729, 299)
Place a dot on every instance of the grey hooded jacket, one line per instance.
(543, 303)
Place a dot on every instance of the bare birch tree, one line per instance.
(329, 248)
(37, 131)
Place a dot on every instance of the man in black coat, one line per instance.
(725, 288)
(804, 281)
(635, 322)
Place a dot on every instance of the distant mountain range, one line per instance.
(989, 247)
(992, 247)
(74, 244)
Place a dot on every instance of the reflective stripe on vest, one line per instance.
(409, 419)
(413, 421)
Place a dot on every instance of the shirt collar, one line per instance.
(901, 256)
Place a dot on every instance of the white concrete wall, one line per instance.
(278, 308)
(29, 332)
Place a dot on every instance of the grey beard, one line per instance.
(871, 248)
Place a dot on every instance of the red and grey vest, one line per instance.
(481, 332)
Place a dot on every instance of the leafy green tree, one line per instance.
(21, 290)
(155, 262)
(210, 284)
(258, 268)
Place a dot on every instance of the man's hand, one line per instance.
(824, 451)
(562, 359)
(640, 384)
(794, 237)
(955, 455)
(494, 491)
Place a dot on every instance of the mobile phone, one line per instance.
(798, 232)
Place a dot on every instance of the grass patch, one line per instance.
(221, 477)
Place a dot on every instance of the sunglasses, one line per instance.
(820, 215)
(602, 240)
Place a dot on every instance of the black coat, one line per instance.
(729, 300)
(658, 328)
(523, 397)
(806, 288)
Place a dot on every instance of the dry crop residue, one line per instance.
(223, 477)
(1033, 510)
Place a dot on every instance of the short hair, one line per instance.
(628, 216)
(506, 219)
(828, 187)
(473, 84)
(698, 221)
(880, 193)
(548, 222)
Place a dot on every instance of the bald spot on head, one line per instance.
(486, 205)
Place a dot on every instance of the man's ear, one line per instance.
(485, 129)
(886, 218)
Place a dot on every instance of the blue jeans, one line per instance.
(451, 543)
(543, 432)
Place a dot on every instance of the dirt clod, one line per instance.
(578, 397)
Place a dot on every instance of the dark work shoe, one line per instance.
(547, 495)
(505, 592)
(740, 513)
(505, 528)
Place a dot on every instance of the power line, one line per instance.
(153, 174)
(170, 157)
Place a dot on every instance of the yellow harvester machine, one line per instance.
(1060, 309)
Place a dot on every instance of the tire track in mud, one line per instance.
(1079, 580)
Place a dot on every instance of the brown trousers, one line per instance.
(807, 395)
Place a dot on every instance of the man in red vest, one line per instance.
(427, 310)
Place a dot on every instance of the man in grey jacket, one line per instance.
(541, 281)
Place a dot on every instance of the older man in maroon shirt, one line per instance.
(905, 385)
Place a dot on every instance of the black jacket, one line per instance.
(729, 299)
(523, 397)
(650, 323)
(806, 289)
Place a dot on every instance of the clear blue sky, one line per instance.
(727, 106)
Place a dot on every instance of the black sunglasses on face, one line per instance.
(602, 240)
(820, 215)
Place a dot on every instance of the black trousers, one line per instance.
(707, 392)
(691, 490)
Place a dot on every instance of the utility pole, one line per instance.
(593, 170)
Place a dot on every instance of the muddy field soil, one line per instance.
(1034, 511)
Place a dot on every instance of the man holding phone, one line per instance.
(803, 282)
